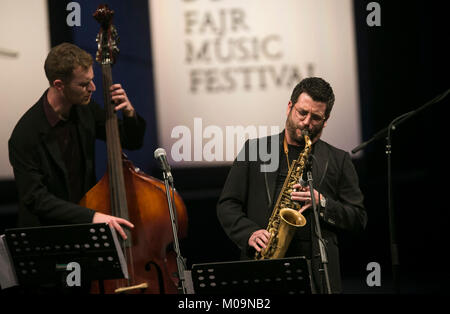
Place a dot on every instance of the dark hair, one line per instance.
(318, 89)
(63, 59)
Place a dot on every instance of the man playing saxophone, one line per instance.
(250, 195)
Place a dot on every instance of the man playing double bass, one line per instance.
(52, 147)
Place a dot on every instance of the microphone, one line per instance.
(160, 154)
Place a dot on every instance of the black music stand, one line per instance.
(263, 277)
(40, 254)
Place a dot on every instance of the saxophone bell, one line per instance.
(292, 217)
(291, 220)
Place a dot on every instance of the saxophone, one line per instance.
(285, 218)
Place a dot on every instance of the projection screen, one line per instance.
(224, 71)
(24, 45)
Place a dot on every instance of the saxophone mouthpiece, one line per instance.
(305, 132)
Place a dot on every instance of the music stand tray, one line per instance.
(269, 277)
(40, 254)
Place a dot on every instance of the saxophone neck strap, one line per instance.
(286, 152)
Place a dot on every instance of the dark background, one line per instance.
(401, 65)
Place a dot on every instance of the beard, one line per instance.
(296, 132)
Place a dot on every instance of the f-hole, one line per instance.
(148, 267)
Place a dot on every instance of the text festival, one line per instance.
(225, 56)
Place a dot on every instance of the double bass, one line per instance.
(126, 192)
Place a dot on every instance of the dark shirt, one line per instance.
(66, 133)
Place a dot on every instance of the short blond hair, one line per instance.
(63, 59)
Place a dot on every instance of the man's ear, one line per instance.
(58, 84)
(289, 107)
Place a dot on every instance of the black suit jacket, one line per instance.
(247, 200)
(39, 170)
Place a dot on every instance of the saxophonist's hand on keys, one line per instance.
(303, 195)
(259, 239)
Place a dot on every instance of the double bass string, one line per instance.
(115, 209)
(117, 195)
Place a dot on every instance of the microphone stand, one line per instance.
(387, 132)
(173, 219)
(318, 230)
(380, 134)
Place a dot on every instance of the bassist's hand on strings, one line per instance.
(120, 99)
(116, 222)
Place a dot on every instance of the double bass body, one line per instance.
(153, 260)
